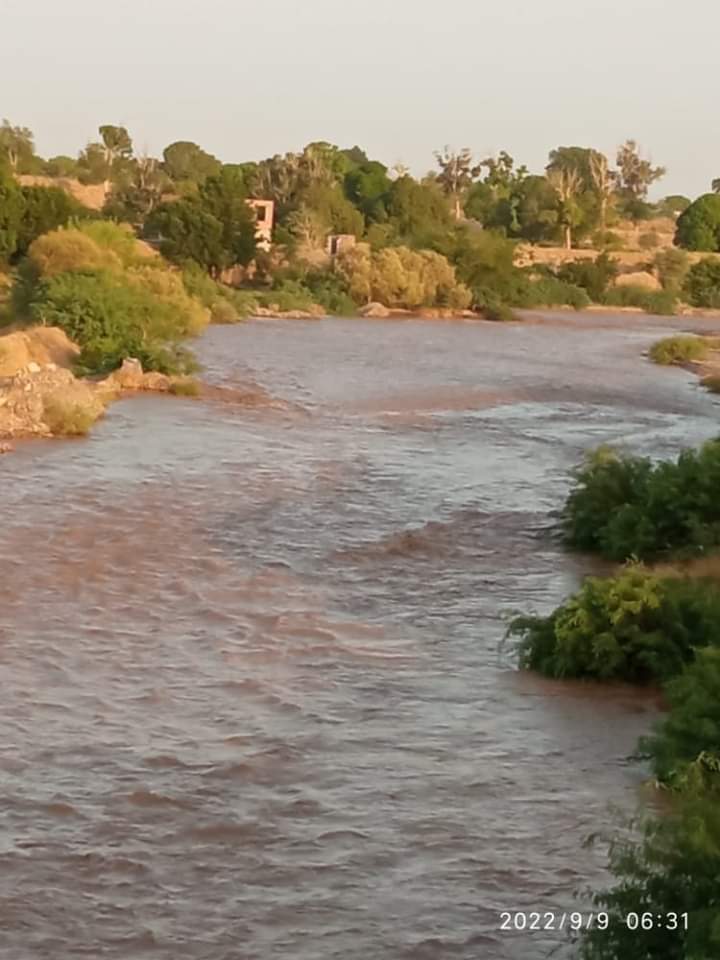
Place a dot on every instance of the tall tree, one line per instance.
(16, 145)
(11, 212)
(567, 184)
(117, 143)
(636, 174)
(457, 172)
(604, 180)
(184, 160)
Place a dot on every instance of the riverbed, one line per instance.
(256, 701)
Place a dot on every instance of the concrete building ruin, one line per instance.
(264, 218)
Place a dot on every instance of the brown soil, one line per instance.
(91, 195)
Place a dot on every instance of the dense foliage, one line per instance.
(671, 869)
(624, 506)
(634, 627)
(680, 348)
(110, 299)
(698, 228)
(702, 283)
(685, 748)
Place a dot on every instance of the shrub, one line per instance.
(702, 284)
(660, 302)
(672, 868)
(698, 227)
(66, 419)
(63, 250)
(671, 266)
(678, 349)
(622, 507)
(499, 312)
(593, 276)
(110, 319)
(634, 627)
(685, 748)
(712, 384)
(401, 277)
(118, 237)
(188, 316)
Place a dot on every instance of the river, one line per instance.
(255, 699)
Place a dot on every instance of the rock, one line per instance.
(131, 376)
(36, 345)
(33, 367)
(47, 403)
(375, 311)
(6, 448)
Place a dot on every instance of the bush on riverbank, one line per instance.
(110, 297)
(659, 302)
(635, 627)
(685, 748)
(679, 349)
(672, 869)
(702, 283)
(624, 506)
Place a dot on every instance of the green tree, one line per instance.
(117, 144)
(603, 181)
(17, 146)
(702, 283)
(224, 196)
(685, 748)
(93, 164)
(139, 193)
(417, 212)
(673, 205)
(635, 176)
(184, 160)
(457, 172)
(188, 232)
(61, 166)
(567, 182)
(11, 211)
(367, 185)
(44, 209)
(672, 869)
(698, 228)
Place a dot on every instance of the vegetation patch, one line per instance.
(624, 506)
(66, 418)
(679, 349)
(634, 627)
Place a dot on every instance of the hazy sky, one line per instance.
(399, 77)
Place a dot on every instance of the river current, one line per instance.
(255, 697)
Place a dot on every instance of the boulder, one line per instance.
(47, 402)
(375, 311)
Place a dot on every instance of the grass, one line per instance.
(679, 349)
(66, 419)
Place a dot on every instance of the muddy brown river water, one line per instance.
(255, 701)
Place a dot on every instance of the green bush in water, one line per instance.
(670, 870)
(685, 748)
(634, 627)
(624, 507)
(679, 349)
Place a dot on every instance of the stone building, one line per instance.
(264, 217)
